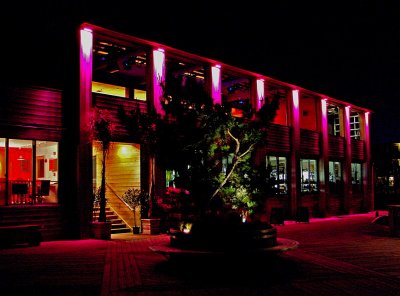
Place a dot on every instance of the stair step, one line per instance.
(117, 224)
(121, 230)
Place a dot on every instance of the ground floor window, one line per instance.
(356, 177)
(277, 174)
(28, 171)
(335, 177)
(309, 175)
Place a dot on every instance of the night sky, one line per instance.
(349, 50)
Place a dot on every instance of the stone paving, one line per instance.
(345, 255)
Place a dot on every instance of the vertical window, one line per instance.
(355, 125)
(276, 174)
(20, 171)
(333, 120)
(46, 171)
(356, 177)
(335, 177)
(309, 175)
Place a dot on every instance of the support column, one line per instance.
(294, 104)
(347, 202)
(84, 159)
(216, 84)
(157, 74)
(323, 160)
(368, 182)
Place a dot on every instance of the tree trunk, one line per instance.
(102, 213)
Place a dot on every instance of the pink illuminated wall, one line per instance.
(216, 84)
(158, 79)
(308, 116)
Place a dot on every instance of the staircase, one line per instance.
(118, 225)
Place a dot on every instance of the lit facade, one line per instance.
(317, 155)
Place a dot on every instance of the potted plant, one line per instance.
(133, 197)
(101, 129)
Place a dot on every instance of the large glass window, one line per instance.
(309, 175)
(277, 174)
(356, 177)
(31, 168)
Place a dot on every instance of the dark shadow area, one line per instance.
(230, 270)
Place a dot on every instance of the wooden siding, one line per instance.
(112, 104)
(336, 147)
(278, 138)
(357, 149)
(122, 171)
(309, 142)
(32, 113)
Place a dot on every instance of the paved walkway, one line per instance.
(337, 256)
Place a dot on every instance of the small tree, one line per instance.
(102, 129)
(135, 198)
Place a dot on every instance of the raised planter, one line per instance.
(150, 226)
(101, 230)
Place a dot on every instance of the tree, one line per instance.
(210, 148)
(102, 128)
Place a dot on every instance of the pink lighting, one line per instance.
(324, 107)
(260, 93)
(158, 78)
(295, 94)
(216, 84)
(366, 119)
(86, 42)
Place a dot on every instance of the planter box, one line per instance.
(101, 230)
(150, 226)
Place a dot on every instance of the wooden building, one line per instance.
(318, 154)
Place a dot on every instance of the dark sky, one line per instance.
(349, 50)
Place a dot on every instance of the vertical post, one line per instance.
(324, 159)
(295, 144)
(347, 163)
(84, 165)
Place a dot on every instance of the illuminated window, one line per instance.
(110, 89)
(277, 174)
(335, 177)
(356, 177)
(309, 175)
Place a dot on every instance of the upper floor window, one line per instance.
(355, 125)
(334, 122)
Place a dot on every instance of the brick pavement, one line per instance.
(337, 256)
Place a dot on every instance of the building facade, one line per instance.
(317, 156)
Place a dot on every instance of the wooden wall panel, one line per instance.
(278, 138)
(309, 142)
(336, 147)
(357, 149)
(29, 112)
